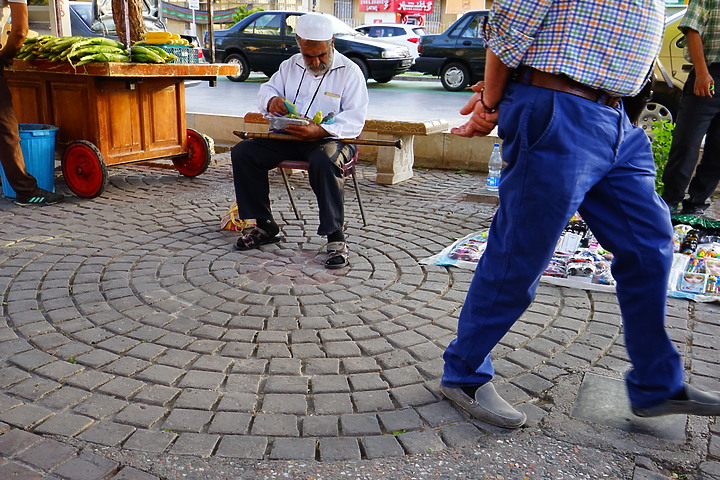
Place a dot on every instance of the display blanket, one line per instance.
(580, 261)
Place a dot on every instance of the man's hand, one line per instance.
(276, 106)
(307, 132)
(481, 122)
(704, 85)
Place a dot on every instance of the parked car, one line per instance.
(671, 72)
(396, 33)
(457, 55)
(88, 19)
(263, 40)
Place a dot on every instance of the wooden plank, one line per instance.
(128, 70)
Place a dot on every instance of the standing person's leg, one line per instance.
(11, 155)
(552, 161)
(326, 180)
(630, 220)
(707, 174)
(693, 120)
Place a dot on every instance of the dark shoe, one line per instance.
(693, 210)
(337, 255)
(39, 197)
(487, 406)
(697, 402)
(255, 238)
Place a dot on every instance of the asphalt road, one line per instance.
(396, 100)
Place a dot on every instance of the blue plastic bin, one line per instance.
(38, 148)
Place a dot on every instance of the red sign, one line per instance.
(397, 6)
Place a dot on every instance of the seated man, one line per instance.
(317, 79)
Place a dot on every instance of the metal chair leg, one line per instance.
(287, 186)
(357, 194)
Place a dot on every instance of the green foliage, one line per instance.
(243, 11)
(661, 135)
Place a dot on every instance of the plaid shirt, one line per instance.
(605, 44)
(703, 16)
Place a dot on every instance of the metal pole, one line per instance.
(211, 31)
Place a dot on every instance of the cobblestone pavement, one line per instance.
(132, 333)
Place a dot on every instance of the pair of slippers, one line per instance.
(338, 253)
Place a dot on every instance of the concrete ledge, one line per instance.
(440, 150)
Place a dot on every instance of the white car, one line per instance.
(396, 33)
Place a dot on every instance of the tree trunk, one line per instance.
(135, 16)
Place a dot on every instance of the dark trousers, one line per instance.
(11, 155)
(697, 117)
(252, 159)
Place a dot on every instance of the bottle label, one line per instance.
(493, 182)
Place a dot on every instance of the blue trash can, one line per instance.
(38, 148)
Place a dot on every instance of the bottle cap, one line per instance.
(497, 144)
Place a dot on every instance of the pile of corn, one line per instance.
(164, 38)
(81, 50)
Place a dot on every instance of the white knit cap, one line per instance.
(314, 26)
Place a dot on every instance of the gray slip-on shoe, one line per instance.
(698, 402)
(487, 406)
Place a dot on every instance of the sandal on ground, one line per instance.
(337, 255)
(255, 238)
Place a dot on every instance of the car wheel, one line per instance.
(454, 77)
(384, 79)
(653, 112)
(363, 66)
(236, 59)
(269, 73)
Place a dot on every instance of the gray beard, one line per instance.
(324, 67)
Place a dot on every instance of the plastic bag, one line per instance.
(232, 221)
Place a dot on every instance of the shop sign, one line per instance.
(400, 6)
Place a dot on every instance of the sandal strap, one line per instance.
(337, 248)
(254, 238)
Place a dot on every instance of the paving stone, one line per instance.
(46, 454)
(162, 374)
(199, 444)
(130, 473)
(11, 375)
(286, 384)
(122, 387)
(230, 423)
(238, 402)
(412, 396)
(203, 380)
(360, 365)
(15, 470)
(367, 381)
(461, 434)
(243, 383)
(107, 433)
(25, 416)
(332, 403)
(441, 413)
(186, 420)
(405, 419)
(89, 379)
(237, 446)
(198, 399)
(332, 449)
(32, 359)
(157, 395)
(149, 441)
(275, 425)
(359, 424)
(63, 398)
(330, 384)
(320, 426)
(374, 401)
(293, 449)
(139, 415)
(177, 358)
(34, 388)
(6, 403)
(381, 447)
(15, 441)
(213, 363)
(399, 377)
(86, 466)
(100, 406)
(96, 358)
(127, 366)
(285, 403)
(416, 443)
(65, 424)
(146, 351)
(59, 370)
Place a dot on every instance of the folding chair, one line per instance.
(348, 169)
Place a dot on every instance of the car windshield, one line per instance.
(84, 10)
(340, 27)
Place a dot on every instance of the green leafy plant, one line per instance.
(243, 11)
(661, 135)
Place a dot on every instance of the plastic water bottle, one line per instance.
(494, 168)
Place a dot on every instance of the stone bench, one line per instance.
(393, 165)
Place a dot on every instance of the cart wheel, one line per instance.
(84, 169)
(198, 155)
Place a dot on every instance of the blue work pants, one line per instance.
(565, 154)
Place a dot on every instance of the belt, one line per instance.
(563, 83)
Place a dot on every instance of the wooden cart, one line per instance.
(113, 113)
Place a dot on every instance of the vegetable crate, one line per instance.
(184, 54)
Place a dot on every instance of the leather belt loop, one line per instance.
(562, 83)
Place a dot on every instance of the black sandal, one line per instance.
(256, 238)
(337, 255)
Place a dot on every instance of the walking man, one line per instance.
(550, 63)
(11, 157)
(698, 115)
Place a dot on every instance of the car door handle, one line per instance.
(467, 43)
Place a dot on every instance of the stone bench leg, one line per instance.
(395, 165)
